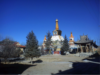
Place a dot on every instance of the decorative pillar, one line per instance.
(77, 49)
(81, 49)
(86, 48)
(92, 49)
(89, 48)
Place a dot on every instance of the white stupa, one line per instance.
(57, 37)
(57, 33)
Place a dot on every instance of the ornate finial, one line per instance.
(56, 19)
(71, 32)
(45, 38)
(71, 35)
(57, 27)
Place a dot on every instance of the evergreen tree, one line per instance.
(32, 46)
(65, 46)
(48, 41)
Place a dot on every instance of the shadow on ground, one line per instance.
(13, 68)
(95, 58)
(84, 67)
(15, 60)
(37, 61)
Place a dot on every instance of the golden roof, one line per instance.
(57, 27)
(71, 36)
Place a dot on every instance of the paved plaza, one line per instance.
(53, 64)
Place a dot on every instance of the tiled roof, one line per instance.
(89, 41)
(21, 46)
(16, 43)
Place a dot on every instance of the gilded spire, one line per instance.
(71, 35)
(45, 38)
(57, 27)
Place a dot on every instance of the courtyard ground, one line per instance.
(52, 65)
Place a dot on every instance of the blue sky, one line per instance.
(19, 17)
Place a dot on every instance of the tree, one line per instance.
(65, 46)
(48, 41)
(8, 49)
(32, 46)
(6, 40)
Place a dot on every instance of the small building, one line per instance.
(85, 45)
(18, 45)
(72, 46)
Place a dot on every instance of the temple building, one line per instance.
(85, 45)
(71, 42)
(18, 45)
(57, 40)
(82, 45)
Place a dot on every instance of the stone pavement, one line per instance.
(52, 64)
(47, 68)
(68, 64)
